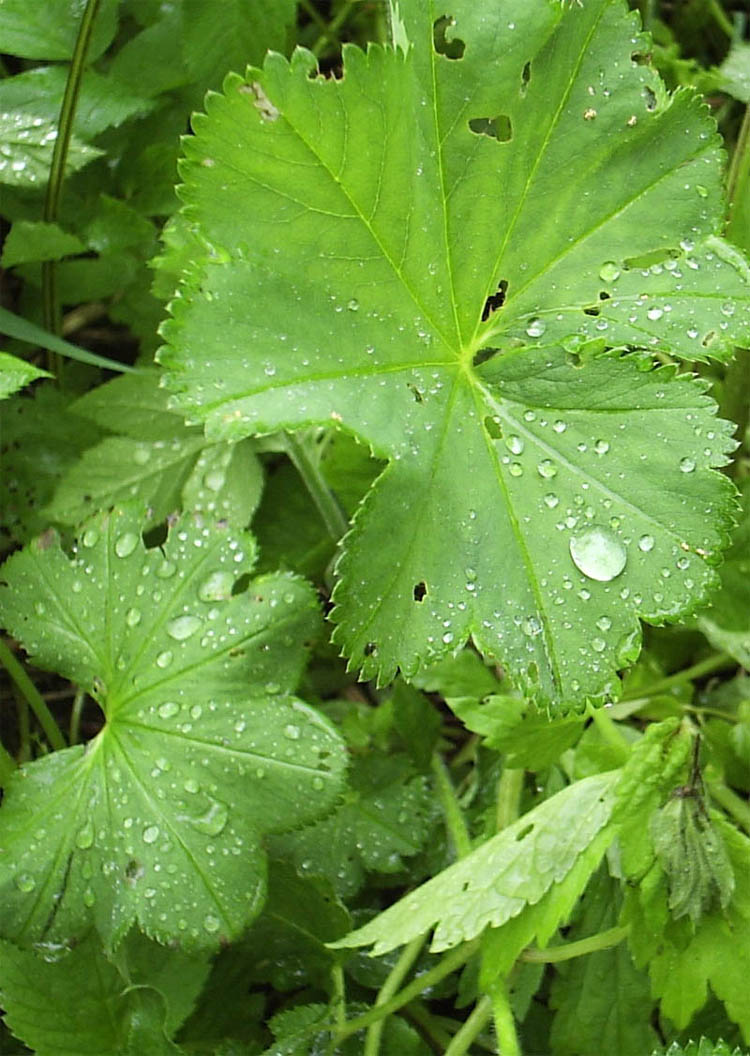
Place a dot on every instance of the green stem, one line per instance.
(51, 304)
(32, 696)
(315, 16)
(395, 977)
(731, 802)
(448, 964)
(75, 717)
(610, 733)
(509, 789)
(431, 1028)
(717, 662)
(24, 727)
(331, 32)
(738, 156)
(455, 822)
(505, 1027)
(471, 1029)
(603, 940)
(720, 18)
(7, 766)
(339, 994)
(308, 467)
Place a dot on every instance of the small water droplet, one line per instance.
(655, 314)
(126, 544)
(353, 305)
(560, 426)
(292, 732)
(515, 469)
(85, 836)
(547, 469)
(551, 500)
(604, 623)
(141, 455)
(213, 820)
(132, 617)
(447, 637)
(25, 882)
(164, 659)
(601, 447)
(536, 327)
(211, 923)
(183, 627)
(90, 537)
(598, 553)
(168, 709)
(609, 271)
(166, 569)
(514, 444)
(687, 465)
(598, 645)
(151, 834)
(646, 543)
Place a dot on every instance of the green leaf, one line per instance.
(683, 961)
(49, 30)
(494, 883)
(528, 739)
(704, 1047)
(734, 72)
(26, 149)
(30, 240)
(693, 856)
(386, 816)
(241, 33)
(69, 1002)
(24, 330)
(601, 1001)
(159, 818)
(359, 227)
(16, 373)
(102, 101)
(726, 623)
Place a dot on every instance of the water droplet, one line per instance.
(292, 732)
(536, 327)
(655, 314)
(25, 882)
(687, 465)
(85, 836)
(141, 455)
(218, 587)
(514, 444)
(215, 479)
(604, 623)
(598, 553)
(551, 500)
(192, 786)
(601, 447)
(646, 543)
(213, 820)
(132, 617)
(168, 709)
(628, 648)
(447, 637)
(183, 627)
(531, 627)
(609, 271)
(547, 469)
(318, 784)
(164, 659)
(151, 834)
(211, 923)
(515, 469)
(598, 645)
(126, 544)
(560, 426)
(166, 569)
(353, 305)
(90, 537)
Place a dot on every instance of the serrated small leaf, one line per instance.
(204, 749)
(495, 882)
(550, 492)
(16, 373)
(26, 149)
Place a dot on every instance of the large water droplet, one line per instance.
(609, 271)
(85, 836)
(183, 627)
(213, 820)
(687, 465)
(646, 543)
(514, 444)
(211, 923)
(547, 469)
(90, 537)
(126, 544)
(598, 553)
(218, 587)
(151, 834)
(536, 327)
(25, 882)
(168, 709)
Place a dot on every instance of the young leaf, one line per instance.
(401, 251)
(15, 373)
(159, 817)
(54, 997)
(494, 883)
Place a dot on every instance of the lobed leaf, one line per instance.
(159, 818)
(402, 252)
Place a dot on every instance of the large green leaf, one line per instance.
(489, 193)
(494, 883)
(204, 749)
(48, 30)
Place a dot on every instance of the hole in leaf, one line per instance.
(650, 98)
(370, 649)
(591, 311)
(241, 584)
(641, 58)
(647, 260)
(525, 78)
(492, 425)
(420, 589)
(603, 295)
(524, 832)
(133, 870)
(708, 338)
(415, 392)
(156, 536)
(495, 300)
(451, 49)
(498, 128)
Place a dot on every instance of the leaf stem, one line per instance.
(448, 964)
(509, 789)
(474, 1025)
(610, 733)
(339, 994)
(603, 940)
(32, 696)
(731, 802)
(455, 822)
(395, 977)
(308, 466)
(51, 306)
(502, 1014)
(717, 662)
